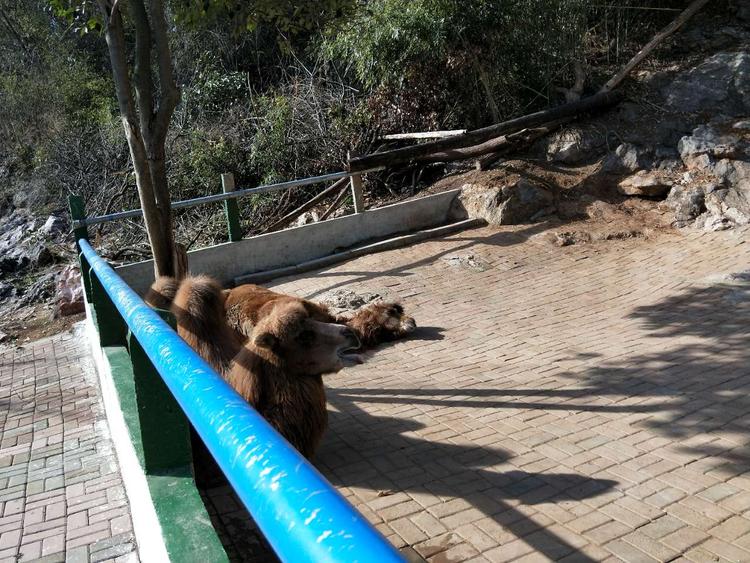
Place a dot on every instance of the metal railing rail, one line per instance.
(84, 222)
(301, 515)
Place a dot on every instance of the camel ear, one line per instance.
(265, 340)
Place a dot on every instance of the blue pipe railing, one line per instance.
(301, 515)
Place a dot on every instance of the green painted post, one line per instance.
(165, 432)
(231, 209)
(85, 276)
(112, 328)
(78, 213)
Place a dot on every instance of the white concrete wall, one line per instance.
(294, 246)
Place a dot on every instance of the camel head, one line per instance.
(381, 322)
(393, 319)
(291, 338)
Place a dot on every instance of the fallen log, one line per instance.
(688, 13)
(291, 216)
(521, 139)
(480, 136)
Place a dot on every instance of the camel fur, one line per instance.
(373, 323)
(279, 370)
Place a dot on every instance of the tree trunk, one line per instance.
(146, 128)
(115, 37)
(158, 168)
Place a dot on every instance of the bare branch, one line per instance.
(170, 93)
(688, 13)
(144, 85)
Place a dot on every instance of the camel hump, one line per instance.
(198, 307)
(161, 293)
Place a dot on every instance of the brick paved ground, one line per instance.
(61, 495)
(580, 403)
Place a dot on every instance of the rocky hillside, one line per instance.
(676, 153)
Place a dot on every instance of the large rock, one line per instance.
(516, 202)
(25, 256)
(627, 158)
(721, 82)
(69, 292)
(307, 218)
(53, 226)
(21, 243)
(645, 184)
(687, 203)
(729, 205)
(41, 290)
(733, 173)
(707, 143)
(573, 145)
(721, 151)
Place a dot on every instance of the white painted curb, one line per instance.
(148, 533)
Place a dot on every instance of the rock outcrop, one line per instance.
(516, 201)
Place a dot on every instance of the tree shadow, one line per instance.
(382, 454)
(704, 380)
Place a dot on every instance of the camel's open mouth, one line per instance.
(349, 356)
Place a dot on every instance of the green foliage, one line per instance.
(83, 15)
(216, 90)
(272, 150)
(511, 51)
(200, 159)
(84, 96)
(289, 16)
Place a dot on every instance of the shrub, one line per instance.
(492, 56)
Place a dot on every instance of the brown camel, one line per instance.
(278, 370)
(373, 323)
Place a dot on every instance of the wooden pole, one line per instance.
(231, 208)
(357, 195)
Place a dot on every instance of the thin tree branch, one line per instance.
(144, 85)
(170, 93)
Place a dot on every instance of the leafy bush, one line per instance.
(492, 56)
(306, 128)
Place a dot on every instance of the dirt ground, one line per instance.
(33, 323)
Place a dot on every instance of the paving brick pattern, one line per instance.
(61, 494)
(585, 403)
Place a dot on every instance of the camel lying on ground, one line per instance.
(279, 369)
(374, 323)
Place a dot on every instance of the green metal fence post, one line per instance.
(78, 213)
(112, 328)
(85, 268)
(231, 208)
(165, 432)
